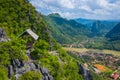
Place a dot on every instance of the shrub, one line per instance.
(3, 73)
(31, 75)
(11, 50)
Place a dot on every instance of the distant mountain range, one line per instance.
(98, 27)
(109, 30)
(86, 32)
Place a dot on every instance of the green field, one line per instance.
(82, 50)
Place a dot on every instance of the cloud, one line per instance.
(92, 9)
(67, 4)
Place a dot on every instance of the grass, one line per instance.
(82, 50)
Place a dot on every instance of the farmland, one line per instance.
(83, 50)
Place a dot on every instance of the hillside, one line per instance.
(66, 31)
(22, 57)
(114, 38)
(114, 34)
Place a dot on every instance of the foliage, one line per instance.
(61, 65)
(17, 16)
(40, 48)
(12, 50)
(3, 73)
(31, 75)
(96, 77)
(96, 43)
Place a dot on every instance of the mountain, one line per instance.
(22, 57)
(98, 27)
(113, 37)
(114, 34)
(87, 22)
(66, 31)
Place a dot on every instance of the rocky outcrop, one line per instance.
(18, 68)
(85, 72)
(3, 37)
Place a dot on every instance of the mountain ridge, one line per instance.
(102, 26)
(67, 29)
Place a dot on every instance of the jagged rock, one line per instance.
(45, 73)
(22, 63)
(32, 66)
(85, 72)
(10, 71)
(46, 78)
(17, 76)
(50, 77)
(81, 71)
(38, 65)
(3, 37)
(18, 68)
(21, 70)
(17, 62)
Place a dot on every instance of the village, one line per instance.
(101, 63)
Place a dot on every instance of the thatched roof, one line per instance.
(31, 33)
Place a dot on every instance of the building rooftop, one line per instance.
(31, 33)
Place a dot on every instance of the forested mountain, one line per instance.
(17, 16)
(44, 60)
(86, 22)
(66, 31)
(106, 31)
(114, 38)
(114, 34)
(90, 35)
(98, 27)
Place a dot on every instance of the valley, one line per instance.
(92, 43)
(83, 50)
(89, 33)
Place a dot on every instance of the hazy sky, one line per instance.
(91, 9)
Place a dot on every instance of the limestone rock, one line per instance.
(18, 68)
(3, 37)
(85, 72)
(45, 73)
(10, 71)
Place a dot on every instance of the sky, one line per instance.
(89, 9)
